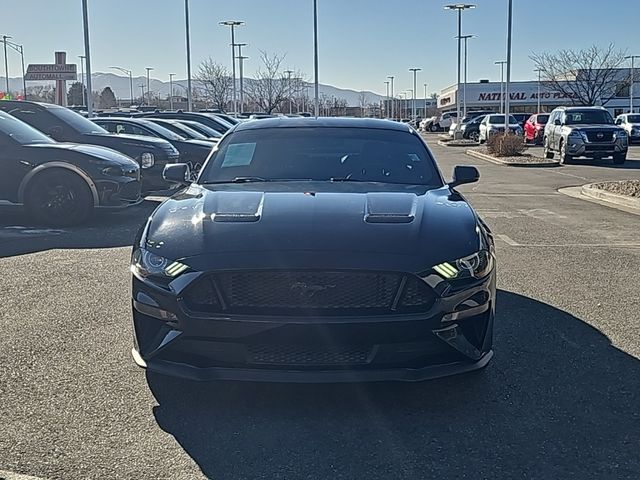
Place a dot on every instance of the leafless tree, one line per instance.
(362, 103)
(587, 77)
(215, 82)
(269, 89)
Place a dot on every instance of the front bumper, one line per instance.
(118, 193)
(580, 148)
(453, 336)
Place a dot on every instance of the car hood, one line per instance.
(97, 152)
(341, 226)
(202, 143)
(593, 127)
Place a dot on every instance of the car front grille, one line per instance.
(308, 354)
(309, 293)
(599, 136)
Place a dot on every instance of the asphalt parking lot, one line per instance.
(561, 398)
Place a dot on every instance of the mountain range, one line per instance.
(120, 86)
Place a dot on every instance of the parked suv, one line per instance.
(443, 122)
(631, 123)
(64, 125)
(471, 128)
(494, 124)
(584, 132)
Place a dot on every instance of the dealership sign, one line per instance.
(496, 96)
(51, 71)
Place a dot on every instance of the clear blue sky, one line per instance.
(361, 41)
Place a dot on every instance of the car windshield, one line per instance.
(162, 131)
(633, 118)
(326, 153)
(595, 116)
(21, 132)
(499, 119)
(542, 118)
(186, 131)
(76, 121)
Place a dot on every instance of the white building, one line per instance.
(523, 97)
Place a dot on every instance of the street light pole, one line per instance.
(241, 60)
(425, 100)
(20, 50)
(142, 91)
(171, 75)
(386, 107)
(188, 41)
(233, 24)
(506, 85)
(148, 69)
(502, 63)
(315, 57)
(464, 88)
(289, 72)
(6, 62)
(415, 73)
(633, 77)
(81, 57)
(393, 107)
(538, 70)
(460, 7)
(87, 54)
(127, 72)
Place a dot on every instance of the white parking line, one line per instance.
(509, 241)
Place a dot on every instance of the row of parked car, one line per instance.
(61, 166)
(568, 132)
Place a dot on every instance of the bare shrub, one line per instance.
(505, 145)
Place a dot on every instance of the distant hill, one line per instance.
(120, 86)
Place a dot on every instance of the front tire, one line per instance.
(565, 158)
(548, 153)
(58, 198)
(475, 136)
(433, 128)
(619, 158)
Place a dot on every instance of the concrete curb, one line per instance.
(576, 192)
(452, 143)
(489, 158)
(597, 193)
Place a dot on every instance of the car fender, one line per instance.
(67, 166)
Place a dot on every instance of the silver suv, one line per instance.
(584, 132)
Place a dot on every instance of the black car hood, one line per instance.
(51, 150)
(300, 226)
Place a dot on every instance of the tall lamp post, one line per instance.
(232, 24)
(459, 7)
(20, 50)
(633, 77)
(6, 62)
(87, 54)
(538, 70)
(315, 58)
(508, 82)
(127, 72)
(188, 42)
(142, 91)
(148, 69)
(415, 74)
(464, 88)
(171, 75)
(82, 57)
(241, 60)
(386, 107)
(425, 100)
(502, 63)
(289, 72)
(393, 113)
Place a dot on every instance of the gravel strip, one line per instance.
(630, 188)
(525, 158)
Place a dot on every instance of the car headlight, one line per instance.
(478, 265)
(147, 160)
(621, 134)
(148, 264)
(113, 171)
(518, 131)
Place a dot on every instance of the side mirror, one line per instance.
(556, 122)
(176, 173)
(619, 121)
(464, 174)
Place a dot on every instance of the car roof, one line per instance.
(322, 122)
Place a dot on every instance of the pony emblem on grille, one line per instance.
(306, 290)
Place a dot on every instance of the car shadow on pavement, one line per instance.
(19, 236)
(558, 401)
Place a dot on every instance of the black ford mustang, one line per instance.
(61, 183)
(315, 250)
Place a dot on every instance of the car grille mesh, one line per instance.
(599, 136)
(308, 354)
(309, 293)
